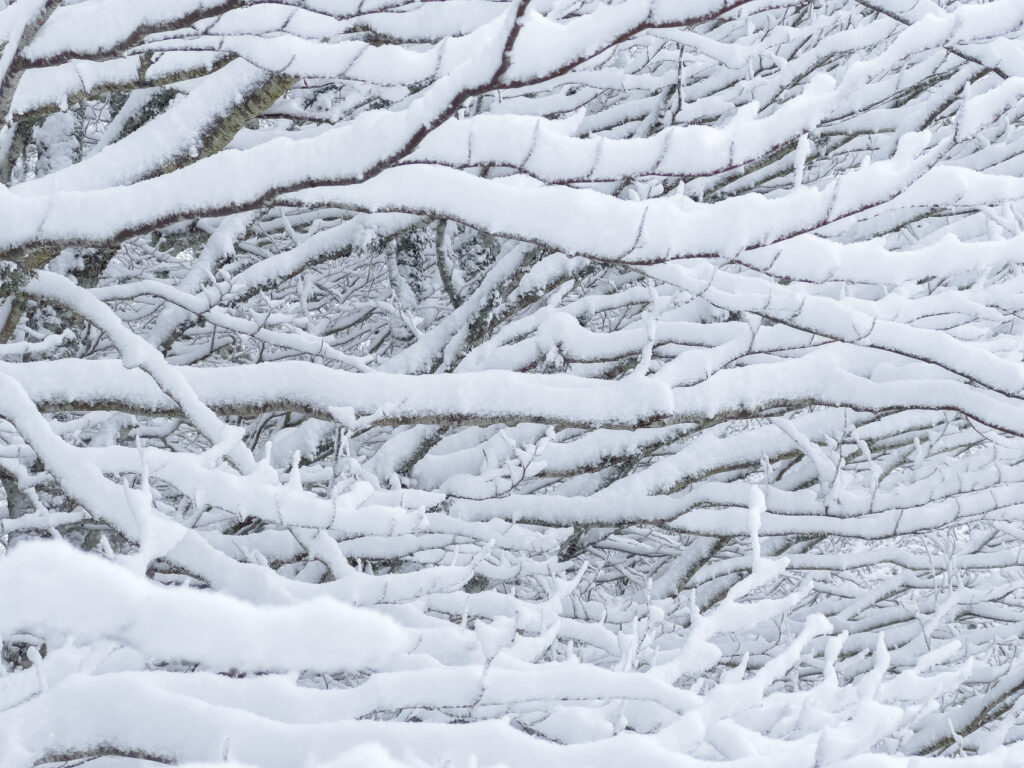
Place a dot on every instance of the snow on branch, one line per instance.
(484, 383)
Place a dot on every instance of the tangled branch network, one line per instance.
(577, 383)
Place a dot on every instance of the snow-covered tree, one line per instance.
(511, 383)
